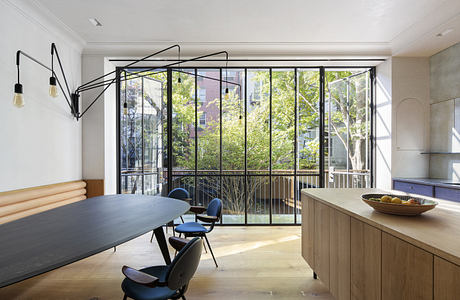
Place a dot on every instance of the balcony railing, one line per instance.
(252, 197)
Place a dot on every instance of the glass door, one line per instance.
(142, 128)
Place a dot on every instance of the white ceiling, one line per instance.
(264, 27)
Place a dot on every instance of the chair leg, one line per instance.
(210, 249)
(204, 246)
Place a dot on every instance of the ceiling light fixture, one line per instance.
(72, 98)
(95, 22)
(445, 32)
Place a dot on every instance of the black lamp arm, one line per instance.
(55, 51)
(95, 99)
(20, 52)
(133, 74)
(79, 89)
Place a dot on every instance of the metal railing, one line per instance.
(280, 198)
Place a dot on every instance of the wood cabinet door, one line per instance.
(366, 247)
(339, 242)
(308, 229)
(321, 242)
(446, 280)
(407, 271)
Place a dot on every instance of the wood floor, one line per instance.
(254, 263)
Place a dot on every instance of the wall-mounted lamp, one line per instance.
(72, 98)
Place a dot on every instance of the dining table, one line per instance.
(54, 238)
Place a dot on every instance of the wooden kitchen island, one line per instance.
(359, 253)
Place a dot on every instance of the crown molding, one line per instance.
(240, 49)
(42, 17)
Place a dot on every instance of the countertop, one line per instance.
(448, 183)
(436, 231)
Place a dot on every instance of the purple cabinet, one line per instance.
(435, 189)
(447, 193)
(414, 188)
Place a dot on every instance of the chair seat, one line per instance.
(141, 292)
(191, 227)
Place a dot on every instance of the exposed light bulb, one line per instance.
(18, 99)
(125, 108)
(179, 80)
(226, 94)
(53, 88)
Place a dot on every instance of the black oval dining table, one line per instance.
(45, 241)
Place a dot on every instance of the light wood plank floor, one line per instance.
(254, 263)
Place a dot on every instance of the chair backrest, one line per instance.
(179, 193)
(184, 265)
(214, 208)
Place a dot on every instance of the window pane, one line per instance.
(258, 191)
(183, 122)
(283, 199)
(209, 122)
(233, 122)
(258, 120)
(131, 137)
(283, 119)
(233, 199)
(153, 112)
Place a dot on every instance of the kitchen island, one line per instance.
(359, 253)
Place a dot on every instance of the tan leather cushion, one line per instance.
(20, 203)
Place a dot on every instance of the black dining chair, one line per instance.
(181, 194)
(195, 229)
(167, 281)
(177, 193)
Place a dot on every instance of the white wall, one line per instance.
(99, 125)
(402, 119)
(410, 116)
(383, 127)
(41, 142)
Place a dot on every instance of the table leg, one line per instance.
(160, 236)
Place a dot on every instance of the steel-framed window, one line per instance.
(245, 174)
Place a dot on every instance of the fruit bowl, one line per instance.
(399, 209)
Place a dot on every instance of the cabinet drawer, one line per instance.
(415, 188)
(446, 193)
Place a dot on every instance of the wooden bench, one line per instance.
(25, 202)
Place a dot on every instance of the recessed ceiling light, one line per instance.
(445, 32)
(95, 22)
